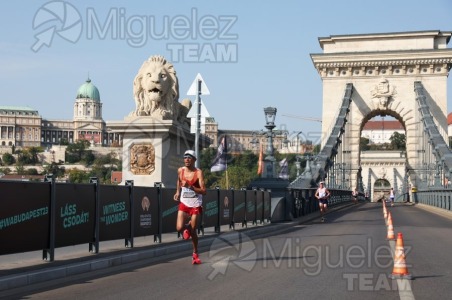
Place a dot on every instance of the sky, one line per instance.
(251, 54)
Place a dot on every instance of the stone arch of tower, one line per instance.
(383, 69)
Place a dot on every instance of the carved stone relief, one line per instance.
(383, 93)
(142, 159)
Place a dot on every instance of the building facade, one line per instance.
(20, 126)
(24, 127)
(380, 132)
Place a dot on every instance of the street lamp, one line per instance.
(285, 142)
(254, 140)
(270, 115)
(298, 140)
(298, 165)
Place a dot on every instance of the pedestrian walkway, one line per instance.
(22, 269)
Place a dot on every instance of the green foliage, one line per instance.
(8, 159)
(32, 171)
(54, 169)
(5, 171)
(316, 149)
(28, 156)
(242, 168)
(75, 151)
(364, 144)
(88, 157)
(108, 159)
(78, 176)
(237, 177)
(398, 141)
(20, 170)
(64, 142)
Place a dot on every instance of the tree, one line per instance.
(33, 151)
(237, 178)
(88, 157)
(316, 149)
(398, 141)
(24, 157)
(31, 171)
(5, 171)
(8, 159)
(20, 170)
(78, 176)
(364, 143)
(74, 152)
(64, 142)
(54, 169)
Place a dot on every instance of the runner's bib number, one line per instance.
(187, 193)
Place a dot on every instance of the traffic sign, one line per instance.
(193, 90)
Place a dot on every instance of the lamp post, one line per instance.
(254, 140)
(332, 178)
(269, 161)
(298, 165)
(342, 168)
(298, 141)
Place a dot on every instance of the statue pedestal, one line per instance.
(152, 149)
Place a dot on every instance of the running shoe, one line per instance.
(196, 260)
(186, 234)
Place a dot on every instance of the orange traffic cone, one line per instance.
(385, 213)
(390, 235)
(400, 270)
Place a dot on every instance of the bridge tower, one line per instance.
(383, 69)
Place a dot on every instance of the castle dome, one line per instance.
(88, 91)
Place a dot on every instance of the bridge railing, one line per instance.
(441, 198)
(43, 216)
(323, 162)
(304, 202)
(439, 147)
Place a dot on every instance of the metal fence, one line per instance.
(43, 216)
(304, 202)
(440, 198)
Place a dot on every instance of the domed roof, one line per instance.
(88, 90)
(449, 119)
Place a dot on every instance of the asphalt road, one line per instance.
(347, 257)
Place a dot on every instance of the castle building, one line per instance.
(380, 132)
(87, 123)
(24, 127)
(19, 126)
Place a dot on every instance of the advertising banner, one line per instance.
(226, 207)
(114, 212)
(169, 210)
(267, 205)
(210, 209)
(75, 214)
(239, 206)
(24, 216)
(260, 206)
(250, 206)
(145, 207)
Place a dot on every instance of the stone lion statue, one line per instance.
(156, 91)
